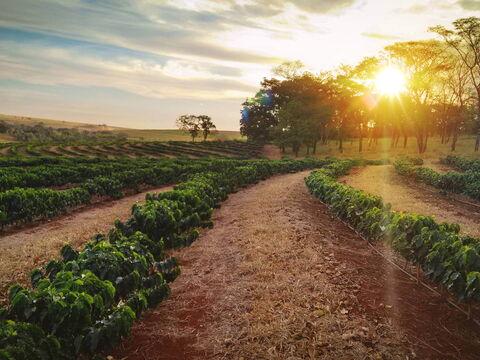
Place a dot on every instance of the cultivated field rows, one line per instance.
(278, 274)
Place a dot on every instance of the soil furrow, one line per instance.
(279, 278)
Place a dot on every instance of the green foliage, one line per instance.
(291, 112)
(194, 124)
(467, 182)
(446, 256)
(23, 341)
(88, 299)
(461, 163)
(26, 205)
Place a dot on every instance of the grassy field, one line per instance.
(132, 134)
(383, 149)
(175, 135)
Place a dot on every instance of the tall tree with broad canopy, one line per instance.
(206, 125)
(464, 38)
(190, 124)
(423, 62)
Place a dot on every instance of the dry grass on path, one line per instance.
(257, 286)
(407, 195)
(279, 278)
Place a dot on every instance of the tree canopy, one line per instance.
(196, 124)
(413, 88)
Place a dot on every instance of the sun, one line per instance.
(390, 81)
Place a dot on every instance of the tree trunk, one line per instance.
(425, 144)
(314, 150)
(394, 136)
(454, 138)
(477, 140)
(340, 140)
(405, 140)
(420, 143)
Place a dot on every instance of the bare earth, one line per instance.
(272, 152)
(406, 195)
(279, 278)
(437, 166)
(22, 251)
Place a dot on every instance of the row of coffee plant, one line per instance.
(121, 149)
(24, 205)
(70, 172)
(461, 163)
(50, 172)
(445, 255)
(87, 301)
(466, 183)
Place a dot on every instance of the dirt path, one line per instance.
(272, 152)
(406, 195)
(279, 278)
(437, 166)
(23, 250)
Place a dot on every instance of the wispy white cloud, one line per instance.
(470, 4)
(185, 53)
(174, 79)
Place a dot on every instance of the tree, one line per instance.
(343, 92)
(293, 126)
(206, 125)
(189, 123)
(422, 61)
(312, 92)
(258, 117)
(455, 96)
(289, 69)
(358, 81)
(464, 38)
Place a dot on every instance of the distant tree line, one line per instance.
(441, 97)
(39, 133)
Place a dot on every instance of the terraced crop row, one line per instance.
(461, 163)
(466, 182)
(28, 194)
(88, 300)
(232, 148)
(445, 256)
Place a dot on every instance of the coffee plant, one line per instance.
(466, 183)
(87, 300)
(444, 254)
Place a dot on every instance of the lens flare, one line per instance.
(390, 81)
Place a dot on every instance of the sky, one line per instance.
(143, 63)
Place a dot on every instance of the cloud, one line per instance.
(470, 4)
(427, 7)
(153, 28)
(172, 53)
(417, 8)
(270, 8)
(39, 64)
(323, 6)
(380, 36)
